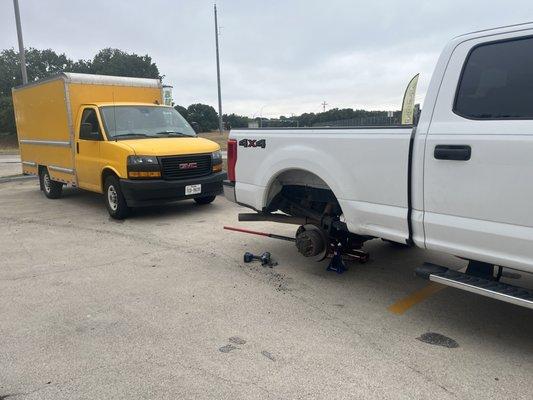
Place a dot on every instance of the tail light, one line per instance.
(232, 159)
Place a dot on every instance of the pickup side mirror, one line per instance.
(86, 132)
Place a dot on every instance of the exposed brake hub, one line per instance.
(314, 242)
(311, 241)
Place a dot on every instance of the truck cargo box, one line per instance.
(45, 111)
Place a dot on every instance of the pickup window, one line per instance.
(497, 81)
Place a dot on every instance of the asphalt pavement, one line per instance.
(161, 306)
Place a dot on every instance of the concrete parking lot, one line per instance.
(161, 306)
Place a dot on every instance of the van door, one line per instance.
(478, 176)
(89, 136)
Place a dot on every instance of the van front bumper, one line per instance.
(152, 192)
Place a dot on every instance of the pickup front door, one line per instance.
(88, 164)
(478, 169)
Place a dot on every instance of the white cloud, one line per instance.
(282, 57)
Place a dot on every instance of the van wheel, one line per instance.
(114, 199)
(52, 189)
(205, 200)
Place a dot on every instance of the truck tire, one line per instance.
(204, 200)
(52, 189)
(114, 199)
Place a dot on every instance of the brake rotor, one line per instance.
(312, 242)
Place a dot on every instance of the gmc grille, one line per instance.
(191, 166)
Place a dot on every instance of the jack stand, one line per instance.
(337, 263)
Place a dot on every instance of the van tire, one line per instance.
(114, 199)
(52, 189)
(204, 200)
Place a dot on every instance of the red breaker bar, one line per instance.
(270, 235)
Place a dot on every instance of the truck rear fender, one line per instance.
(309, 168)
(304, 171)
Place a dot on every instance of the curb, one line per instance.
(14, 178)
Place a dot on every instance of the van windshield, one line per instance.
(132, 122)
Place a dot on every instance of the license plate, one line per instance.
(193, 189)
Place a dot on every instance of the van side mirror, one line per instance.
(195, 126)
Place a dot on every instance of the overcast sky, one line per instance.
(277, 57)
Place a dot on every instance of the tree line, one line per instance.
(206, 118)
(44, 63)
(108, 61)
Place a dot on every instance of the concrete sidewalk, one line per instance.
(10, 165)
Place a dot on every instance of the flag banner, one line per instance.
(408, 105)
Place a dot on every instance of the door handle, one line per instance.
(78, 147)
(452, 152)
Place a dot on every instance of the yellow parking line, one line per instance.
(401, 306)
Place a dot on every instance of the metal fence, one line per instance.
(363, 121)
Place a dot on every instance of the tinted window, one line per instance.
(497, 82)
(89, 117)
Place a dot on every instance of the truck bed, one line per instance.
(365, 168)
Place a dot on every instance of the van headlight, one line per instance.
(142, 160)
(216, 161)
(143, 167)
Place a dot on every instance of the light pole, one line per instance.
(261, 117)
(220, 123)
(21, 43)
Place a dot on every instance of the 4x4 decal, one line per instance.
(252, 143)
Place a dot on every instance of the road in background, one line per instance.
(162, 306)
(9, 165)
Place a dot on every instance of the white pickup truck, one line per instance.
(460, 182)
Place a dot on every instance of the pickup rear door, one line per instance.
(478, 166)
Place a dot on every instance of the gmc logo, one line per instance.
(189, 165)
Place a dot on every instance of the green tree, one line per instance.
(183, 111)
(43, 63)
(118, 63)
(236, 121)
(204, 115)
(40, 64)
(7, 116)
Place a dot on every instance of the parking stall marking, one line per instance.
(401, 306)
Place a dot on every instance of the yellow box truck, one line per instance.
(112, 135)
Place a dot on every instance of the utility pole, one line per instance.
(220, 123)
(324, 104)
(261, 117)
(22, 54)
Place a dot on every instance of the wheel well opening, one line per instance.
(105, 173)
(301, 193)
